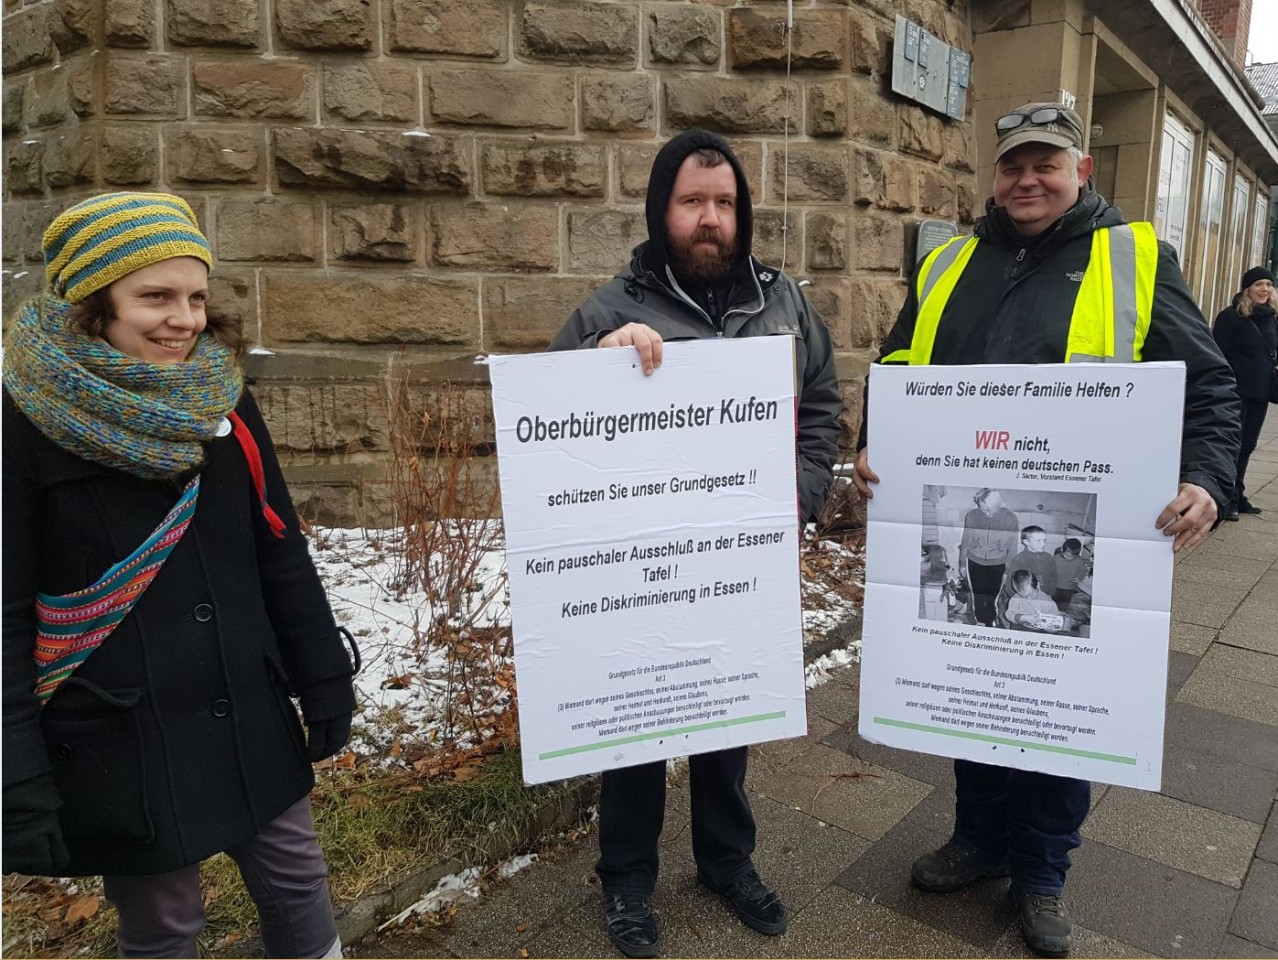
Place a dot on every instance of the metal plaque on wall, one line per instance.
(932, 234)
(929, 71)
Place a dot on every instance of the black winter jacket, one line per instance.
(176, 738)
(1014, 302)
(1249, 344)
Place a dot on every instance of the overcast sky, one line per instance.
(1263, 39)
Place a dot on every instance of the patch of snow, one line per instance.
(449, 890)
(512, 866)
(818, 671)
(457, 887)
(408, 684)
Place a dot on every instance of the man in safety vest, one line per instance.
(1054, 273)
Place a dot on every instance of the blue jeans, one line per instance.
(1033, 818)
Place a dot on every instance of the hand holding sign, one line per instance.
(643, 338)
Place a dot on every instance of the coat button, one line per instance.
(203, 612)
(221, 708)
(65, 751)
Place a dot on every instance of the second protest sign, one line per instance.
(1018, 592)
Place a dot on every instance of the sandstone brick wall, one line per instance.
(395, 186)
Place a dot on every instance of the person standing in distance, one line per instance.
(694, 278)
(1027, 288)
(1247, 333)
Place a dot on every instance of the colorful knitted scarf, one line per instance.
(147, 419)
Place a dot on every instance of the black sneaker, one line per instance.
(1246, 506)
(955, 866)
(632, 927)
(1045, 924)
(757, 906)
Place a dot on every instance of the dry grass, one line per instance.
(372, 829)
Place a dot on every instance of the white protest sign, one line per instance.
(652, 544)
(1018, 594)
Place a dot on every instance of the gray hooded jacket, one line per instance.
(760, 301)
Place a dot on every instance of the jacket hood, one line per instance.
(656, 252)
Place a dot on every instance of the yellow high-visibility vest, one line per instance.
(1111, 315)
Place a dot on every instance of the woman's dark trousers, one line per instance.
(1032, 817)
(1253, 418)
(161, 915)
(986, 581)
(632, 806)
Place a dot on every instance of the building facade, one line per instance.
(1176, 129)
(393, 187)
(1264, 80)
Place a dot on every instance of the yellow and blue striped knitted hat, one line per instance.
(102, 239)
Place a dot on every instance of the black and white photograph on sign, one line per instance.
(1007, 558)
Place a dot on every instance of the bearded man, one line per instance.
(694, 278)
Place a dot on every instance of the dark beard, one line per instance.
(698, 265)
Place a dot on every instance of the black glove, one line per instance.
(327, 707)
(325, 737)
(32, 834)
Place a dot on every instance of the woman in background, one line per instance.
(1247, 334)
(159, 600)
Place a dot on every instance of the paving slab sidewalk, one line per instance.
(1188, 872)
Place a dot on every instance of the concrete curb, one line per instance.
(837, 637)
(360, 917)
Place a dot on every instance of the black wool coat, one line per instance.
(176, 738)
(1247, 343)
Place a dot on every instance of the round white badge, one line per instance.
(223, 427)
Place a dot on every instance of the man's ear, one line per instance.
(1085, 169)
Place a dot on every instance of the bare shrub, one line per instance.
(443, 483)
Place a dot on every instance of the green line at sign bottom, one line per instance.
(1006, 741)
(658, 734)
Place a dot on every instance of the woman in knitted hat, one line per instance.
(1247, 334)
(159, 601)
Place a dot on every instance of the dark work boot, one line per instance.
(756, 905)
(631, 925)
(1045, 924)
(955, 866)
(1246, 506)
